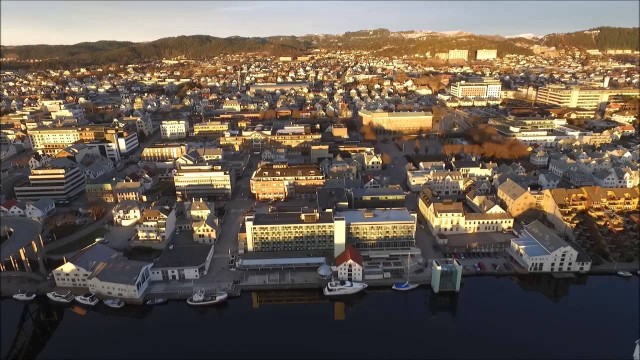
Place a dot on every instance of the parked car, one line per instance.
(475, 266)
(481, 266)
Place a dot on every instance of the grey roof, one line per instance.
(283, 218)
(127, 205)
(183, 256)
(602, 174)
(383, 191)
(512, 189)
(379, 215)
(95, 252)
(43, 203)
(117, 270)
(327, 198)
(25, 230)
(545, 236)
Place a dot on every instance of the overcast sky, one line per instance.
(35, 22)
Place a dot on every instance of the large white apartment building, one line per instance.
(476, 88)
(174, 129)
(380, 229)
(581, 97)
(456, 54)
(486, 54)
(50, 141)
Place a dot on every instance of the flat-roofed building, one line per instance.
(280, 181)
(581, 97)
(486, 54)
(380, 229)
(51, 140)
(174, 129)
(477, 88)
(63, 182)
(397, 122)
(203, 181)
(457, 54)
(163, 152)
(295, 231)
(210, 128)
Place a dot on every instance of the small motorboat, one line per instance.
(624, 273)
(200, 298)
(343, 287)
(636, 352)
(63, 298)
(89, 299)
(25, 296)
(157, 301)
(404, 286)
(114, 303)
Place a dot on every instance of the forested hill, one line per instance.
(602, 38)
(379, 41)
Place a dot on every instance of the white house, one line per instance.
(350, 264)
(76, 271)
(13, 208)
(126, 213)
(40, 209)
(120, 277)
(548, 181)
(182, 262)
(540, 249)
(205, 231)
(539, 158)
(174, 129)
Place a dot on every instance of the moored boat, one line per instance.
(199, 298)
(63, 298)
(404, 286)
(25, 296)
(624, 273)
(157, 301)
(636, 352)
(89, 299)
(343, 287)
(114, 303)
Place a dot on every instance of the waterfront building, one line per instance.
(446, 275)
(119, 277)
(174, 129)
(446, 216)
(203, 181)
(540, 249)
(59, 181)
(280, 181)
(380, 229)
(293, 231)
(76, 271)
(406, 122)
(182, 262)
(350, 264)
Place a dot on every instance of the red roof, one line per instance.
(9, 203)
(350, 253)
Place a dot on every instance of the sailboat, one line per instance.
(405, 286)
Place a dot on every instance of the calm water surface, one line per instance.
(594, 317)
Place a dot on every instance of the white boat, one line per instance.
(25, 296)
(156, 301)
(624, 273)
(405, 286)
(200, 298)
(636, 352)
(63, 298)
(87, 299)
(343, 287)
(114, 303)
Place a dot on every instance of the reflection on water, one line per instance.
(37, 323)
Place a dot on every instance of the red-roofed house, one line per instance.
(350, 264)
(13, 208)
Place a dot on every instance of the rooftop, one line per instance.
(376, 215)
(183, 256)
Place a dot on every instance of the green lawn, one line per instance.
(80, 243)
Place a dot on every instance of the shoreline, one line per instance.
(183, 291)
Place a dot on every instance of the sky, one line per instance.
(70, 22)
